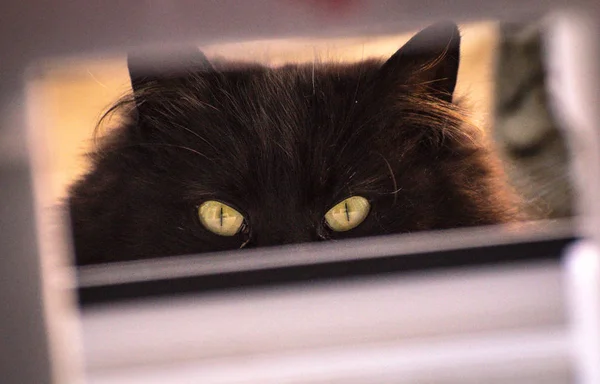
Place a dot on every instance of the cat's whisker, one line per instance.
(358, 81)
(197, 135)
(287, 152)
(245, 243)
(172, 146)
(193, 100)
(389, 167)
(313, 71)
(96, 79)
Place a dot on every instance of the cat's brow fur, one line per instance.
(282, 146)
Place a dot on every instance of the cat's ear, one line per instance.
(428, 61)
(146, 66)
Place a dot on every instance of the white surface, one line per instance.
(582, 275)
(249, 324)
(540, 356)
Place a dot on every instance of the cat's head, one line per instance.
(216, 157)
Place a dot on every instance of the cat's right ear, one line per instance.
(146, 67)
(427, 62)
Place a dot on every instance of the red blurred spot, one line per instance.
(333, 6)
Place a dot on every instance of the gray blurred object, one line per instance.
(525, 129)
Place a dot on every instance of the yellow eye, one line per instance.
(348, 214)
(220, 218)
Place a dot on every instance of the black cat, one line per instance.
(217, 157)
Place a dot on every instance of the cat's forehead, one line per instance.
(284, 117)
(310, 81)
(280, 132)
(288, 131)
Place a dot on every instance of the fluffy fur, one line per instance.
(283, 146)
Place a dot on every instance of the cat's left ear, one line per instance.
(428, 61)
(146, 67)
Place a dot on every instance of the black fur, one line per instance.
(283, 146)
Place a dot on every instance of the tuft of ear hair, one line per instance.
(428, 61)
(148, 66)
